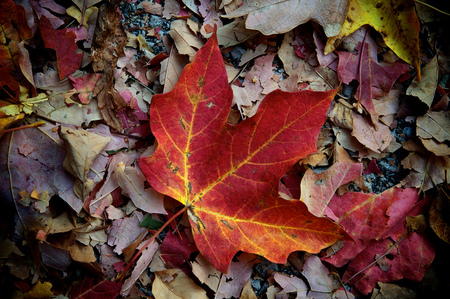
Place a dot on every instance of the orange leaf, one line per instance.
(228, 175)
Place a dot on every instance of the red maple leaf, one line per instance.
(228, 176)
(375, 79)
(63, 42)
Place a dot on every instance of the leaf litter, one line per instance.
(134, 133)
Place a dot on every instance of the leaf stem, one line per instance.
(432, 7)
(122, 275)
(34, 125)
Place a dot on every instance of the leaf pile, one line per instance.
(307, 141)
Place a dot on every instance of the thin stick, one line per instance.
(374, 262)
(122, 275)
(37, 124)
(432, 7)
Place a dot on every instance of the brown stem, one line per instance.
(37, 124)
(122, 275)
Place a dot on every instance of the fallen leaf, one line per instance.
(141, 266)
(173, 284)
(40, 166)
(438, 217)
(239, 273)
(185, 40)
(193, 115)
(84, 86)
(427, 171)
(13, 24)
(234, 33)
(400, 30)
(426, 87)
(171, 69)
(320, 282)
(369, 216)
(434, 125)
(105, 289)
(368, 135)
(291, 284)
(375, 79)
(247, 291)
(409, 259)
(206, 272)
(124, 231)
(317, 189)
(107, 47)
(41, 290)
(83, 148)
(68, 56)
(176, 249)
(275, 17)
(132, 183)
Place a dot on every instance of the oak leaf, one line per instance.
(395, 20)
(228, 176)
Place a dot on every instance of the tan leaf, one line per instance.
(132, 183)
(247, 291)
(185, 40)
(426, 88)
(82, 148)
(275, 16)
(376, 140)
(175, 284)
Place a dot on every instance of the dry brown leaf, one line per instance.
(108, 45)
(234, 33)
(132, 183)
(247, 291)
(171, 68)
(426, 88)
(434, 125)
(275, 16)
(82, 148)
(427, 171)
(375, 140)
(175, 284)
(185, 40)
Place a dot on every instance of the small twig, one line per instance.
(376, 261)
(340, 280)
(122, 275)
(37, 124)
(136, 80)
(432, 7)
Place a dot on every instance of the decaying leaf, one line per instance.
(275, 17)
(317, 189)
(132, 183)
(83, 148)
(221, 172)
(425, 88)
(174, 284)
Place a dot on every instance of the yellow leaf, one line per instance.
(25, 105)
(40, 290)
(395, 20)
